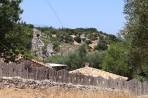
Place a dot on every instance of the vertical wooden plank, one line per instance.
(132, 86)
(27, 72)
(102, 82)
(60, 76)
(66, 74)
(13, 70)
(63, 76)
(86, 80)
(82, 79)
(33, 72)
(73, 78)
(123, 84)
(77, 79)
(68, 78)
(91, 80)
(1, 68)
(24, 71)
(105, 83)
(111, 83)
(139, 88)
(54, 72)
(98, 81)
(145, 85)
(9, 66)
(95, 81)
(5, 70)
(37, 73)
(41, 73)
(51, 74)
(20, 70)
(16, 70)
(47, 73)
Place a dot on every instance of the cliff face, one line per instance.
(49, 50)
(37, 44)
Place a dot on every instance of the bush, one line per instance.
(95, 59)
(53, 32)
(88, 42)
(56, 45)
(68, 39)
(83, 39)
(101, 46)
(77, 39)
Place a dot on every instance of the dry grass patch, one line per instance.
(59, 93)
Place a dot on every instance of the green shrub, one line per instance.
(77, 39)
(101, 46)
(68, 39)
(95, 59)
(56, 45)
(88, 42)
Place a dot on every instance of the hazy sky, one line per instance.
(105, 15)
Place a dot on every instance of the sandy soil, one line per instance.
(59, 93)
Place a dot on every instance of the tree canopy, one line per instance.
(137, 36)
(15, 37)
(130, 56)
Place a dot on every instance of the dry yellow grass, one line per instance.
(60, 93)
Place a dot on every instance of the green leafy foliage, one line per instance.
(129, 57)
(137, 36)
(101, 46)
(115, 60)
(77, 39)
(56, 46)
(95, 59)
(15, 37)
(88, 42)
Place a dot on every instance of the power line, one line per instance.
(54, 12)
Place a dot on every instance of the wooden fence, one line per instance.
(25, 70)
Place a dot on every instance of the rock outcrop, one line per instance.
(50, 50)
(37, 44)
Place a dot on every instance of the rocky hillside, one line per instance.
(48, 41)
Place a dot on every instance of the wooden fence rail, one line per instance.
(62, 76)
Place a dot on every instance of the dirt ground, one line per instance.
(60, 93)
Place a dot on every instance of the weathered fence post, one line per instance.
(1, 69)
